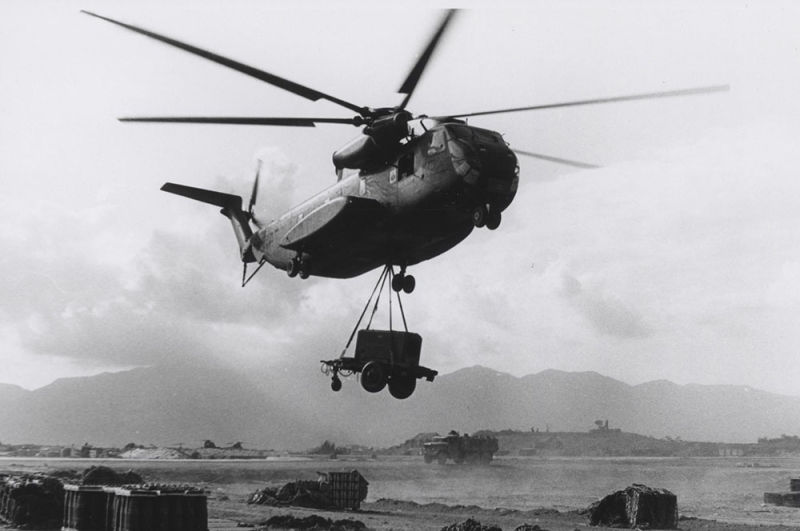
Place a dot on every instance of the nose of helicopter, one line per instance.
(493, 174)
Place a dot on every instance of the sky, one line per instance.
(678, 259)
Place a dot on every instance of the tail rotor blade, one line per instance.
(254, 192)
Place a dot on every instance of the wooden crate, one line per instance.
(84, 508)
(347, 489)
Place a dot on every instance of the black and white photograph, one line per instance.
(352, 265)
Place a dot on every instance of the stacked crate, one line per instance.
(84, 508)
(7, 503)
(31, 500)
(347, 489)
(788, 499)
(137, 508)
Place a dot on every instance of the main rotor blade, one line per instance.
(236, 120)
(575, 163)
(272, 79)
(416, 73)
(646, 96)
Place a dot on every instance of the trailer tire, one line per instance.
(401, 387)
(373, 377)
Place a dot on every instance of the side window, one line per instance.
(437, 142)
(405, 166)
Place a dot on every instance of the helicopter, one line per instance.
(400, 197)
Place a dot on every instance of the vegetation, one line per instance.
(329, 448)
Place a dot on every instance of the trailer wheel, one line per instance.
(373, 377)
(402, 387)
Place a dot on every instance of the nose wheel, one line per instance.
(298, 266)
(403, 282)
(486, 216)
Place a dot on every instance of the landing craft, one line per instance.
(401, 197)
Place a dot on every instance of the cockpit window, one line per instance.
(437, 142)
(484, 136)
(405, 165)
(460, 131)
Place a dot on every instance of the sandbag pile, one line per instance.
(103, 475)
(470, 525)
(636, 506)
(311, 523)
(333, 490)
(311, 494)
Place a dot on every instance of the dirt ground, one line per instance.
(229, 484)
(395, 515)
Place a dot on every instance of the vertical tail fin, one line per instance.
(231, 208)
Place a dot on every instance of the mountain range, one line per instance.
(174, 405)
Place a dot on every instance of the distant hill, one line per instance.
(172, 405)
(10, 392)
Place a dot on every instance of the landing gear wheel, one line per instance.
(336, 383)
(304, 268)
(401, 387)
(398, 282)
(294, 267)
(373, 377)
(479, 214)
(409, 283)
(493, 219)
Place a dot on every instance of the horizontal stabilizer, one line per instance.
(229, 201)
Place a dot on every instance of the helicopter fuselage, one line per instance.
(403, 213)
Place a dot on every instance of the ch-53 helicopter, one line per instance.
(400, 198)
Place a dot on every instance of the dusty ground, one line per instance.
(230, 483)
(385, 515)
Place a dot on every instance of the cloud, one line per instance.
(678, 265)
(178, 298)
(604, 311)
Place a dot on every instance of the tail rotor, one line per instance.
(254, 193)
(250, 217)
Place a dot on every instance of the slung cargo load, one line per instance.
(382, 357)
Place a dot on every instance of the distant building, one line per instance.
(602, 427)
(732, 450)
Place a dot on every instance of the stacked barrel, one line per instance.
(137, 508)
